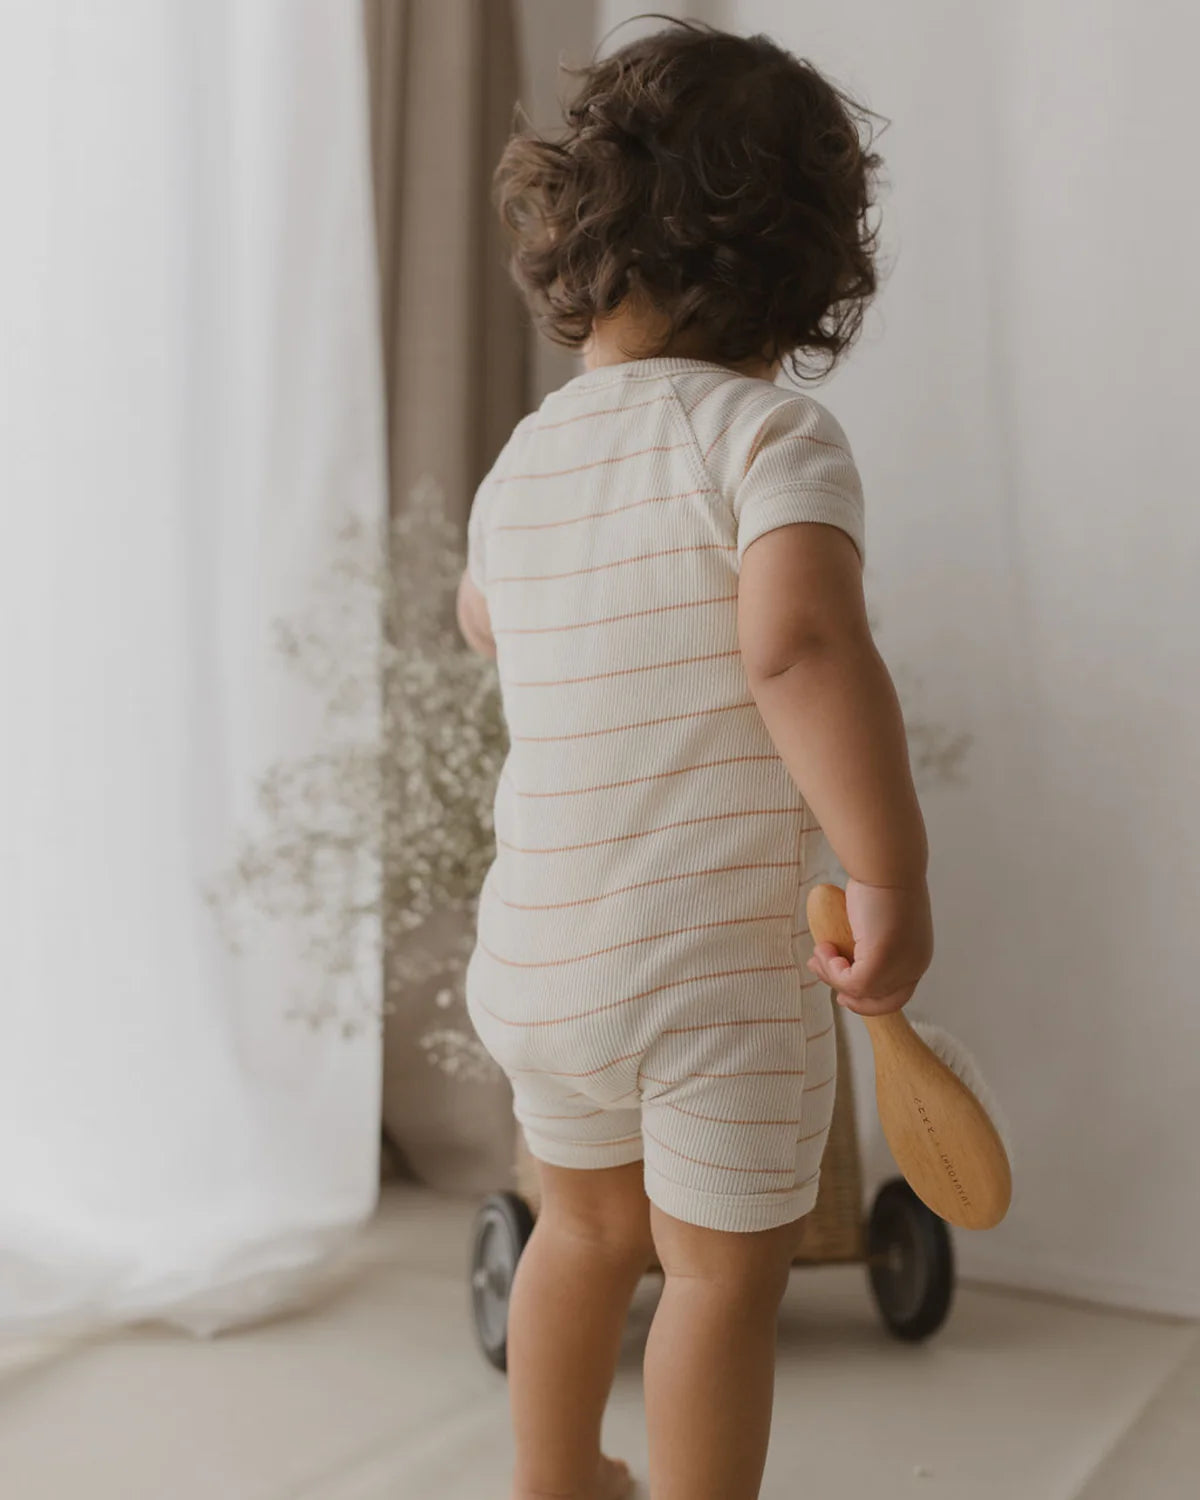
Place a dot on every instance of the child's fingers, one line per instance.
(865, 987)
(851, 979)
(828, 964)
(825, 951)
(883, 1007)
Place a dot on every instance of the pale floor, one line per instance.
(381, 1393)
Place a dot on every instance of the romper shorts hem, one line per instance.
(583, 1156)
(736, 1213)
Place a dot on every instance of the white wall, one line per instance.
(1022, 408)
(612, 13)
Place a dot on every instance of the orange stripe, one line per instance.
(591, 734)
(587, 1072)
(623, 1140)
(624, 838)
(599, 463)
(798, 1186)
(604, 411)
(622, 562)
(795, 437)
(745, 1073)
(636, 614)
(741, 1020)
(658, 666)
(672, 984)
(555, 963)
(591, 1115)
(611, 786)
(720, 435)
(640, 885)
(720, 1166)
(756, 439)
(615, 510)
(724, 1120)
(803, 437)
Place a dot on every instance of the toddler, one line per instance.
(666, 562)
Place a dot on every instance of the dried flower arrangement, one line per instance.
(384, 836)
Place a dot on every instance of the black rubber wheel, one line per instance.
(502, 1229)
(910, 1260)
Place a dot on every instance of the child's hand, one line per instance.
(893, 944)
(474, 620)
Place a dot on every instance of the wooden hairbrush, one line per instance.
(928, 1090)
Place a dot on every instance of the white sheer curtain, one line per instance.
(191, 413)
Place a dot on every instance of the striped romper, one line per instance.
(639, 970)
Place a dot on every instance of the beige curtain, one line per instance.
(443, 86)
(443, 77)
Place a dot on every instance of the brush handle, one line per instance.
(941, 1136)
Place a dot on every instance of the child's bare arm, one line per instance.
(830, 707)
(473, 618)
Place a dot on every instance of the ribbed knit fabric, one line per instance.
(639, 973)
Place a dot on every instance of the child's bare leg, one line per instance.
(574, 1283)
(710, 1358)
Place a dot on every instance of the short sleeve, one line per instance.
(798, 468)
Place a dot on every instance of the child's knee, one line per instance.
(750, 1269)
(607, 1210)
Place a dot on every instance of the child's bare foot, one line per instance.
(615, 1481)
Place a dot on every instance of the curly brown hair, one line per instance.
(716, 179)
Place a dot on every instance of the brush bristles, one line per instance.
(960, 1062)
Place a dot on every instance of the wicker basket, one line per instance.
(834, 1229)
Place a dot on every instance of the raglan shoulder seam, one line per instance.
(698, 451)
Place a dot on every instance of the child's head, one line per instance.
(716, 182)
